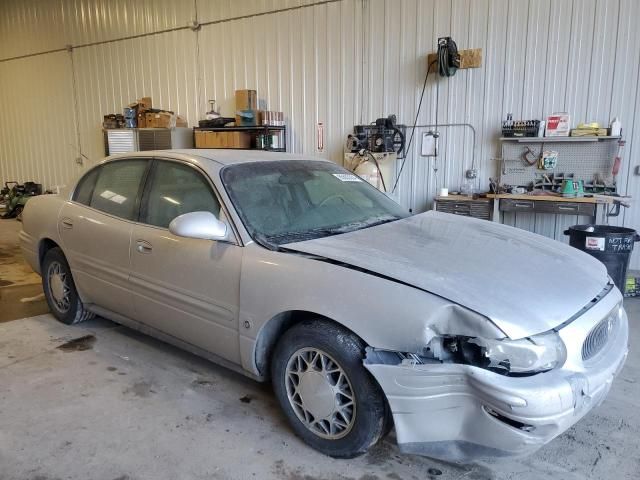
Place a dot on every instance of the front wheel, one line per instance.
(331, 401)
(60, 290)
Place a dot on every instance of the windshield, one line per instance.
(294, 200)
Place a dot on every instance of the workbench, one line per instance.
(507, 202)
(553, 204)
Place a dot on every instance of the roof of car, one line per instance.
(220, 156)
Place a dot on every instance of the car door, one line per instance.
(96, 228)
(185, 287)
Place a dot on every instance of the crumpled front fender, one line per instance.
(463, 413)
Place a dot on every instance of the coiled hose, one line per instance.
(448, 57)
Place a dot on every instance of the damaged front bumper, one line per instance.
(463, 413)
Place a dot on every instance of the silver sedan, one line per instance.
(472, 339)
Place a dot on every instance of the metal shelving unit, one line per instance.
(254, 130)
(557, 139)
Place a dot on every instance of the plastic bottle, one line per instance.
(616, 127)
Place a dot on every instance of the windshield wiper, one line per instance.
(301, 236)
(380, 222)
(313, 233)
(372, 222)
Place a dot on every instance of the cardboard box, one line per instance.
(181, 121)
(142, 120)
(238, 140)
(201, 139)
(230, 140)
(204, 139)
(558, 125)
(160, 120)
(247, 118)
(246, 100)
(144, 103)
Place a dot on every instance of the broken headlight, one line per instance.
(527, 356)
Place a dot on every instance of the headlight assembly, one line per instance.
(527, 356)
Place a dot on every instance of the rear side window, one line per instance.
(85, 187)
(117, 188)
(173, 190)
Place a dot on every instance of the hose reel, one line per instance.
(448, 57)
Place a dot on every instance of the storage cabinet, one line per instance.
(466, 206)
(125, 140)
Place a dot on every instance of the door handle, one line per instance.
(66, 223)
(143, 246)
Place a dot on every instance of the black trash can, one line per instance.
(611, 245)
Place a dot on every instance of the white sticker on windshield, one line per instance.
(347, 177)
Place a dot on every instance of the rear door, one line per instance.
(96, 228)
(185, 287)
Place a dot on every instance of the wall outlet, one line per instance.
(79, 160)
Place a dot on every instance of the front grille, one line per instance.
(599, 335)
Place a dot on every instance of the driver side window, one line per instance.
(174, 189)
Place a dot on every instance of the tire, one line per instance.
(18, 212)
(60, 290)
(303, 362)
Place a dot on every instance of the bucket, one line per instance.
(611, 245)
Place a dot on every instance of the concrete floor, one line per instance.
(20, 288)
(118, 405)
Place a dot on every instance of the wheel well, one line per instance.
(275, 328)
(46, 244)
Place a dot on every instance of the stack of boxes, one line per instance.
(141, 114)
(246, 115)
(142, 106)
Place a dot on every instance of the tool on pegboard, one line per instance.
(617, 161)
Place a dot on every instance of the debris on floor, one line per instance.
(78, 344)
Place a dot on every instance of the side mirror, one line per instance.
(202, 225)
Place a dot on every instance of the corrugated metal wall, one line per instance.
(339, 62)
(37, 120)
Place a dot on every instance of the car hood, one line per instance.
(525, 283)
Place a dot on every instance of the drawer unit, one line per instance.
(543, 206)
(566, 208)
(480, 208)
(511, 205)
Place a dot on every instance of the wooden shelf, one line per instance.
(251, 129)
(240, 129)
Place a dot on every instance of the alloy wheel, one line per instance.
(59, 290)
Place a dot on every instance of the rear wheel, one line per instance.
(18, 212)
(330, 399)
(60, 290)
